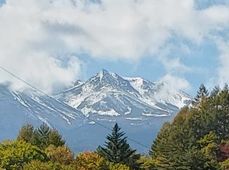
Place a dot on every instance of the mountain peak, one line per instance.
(78, 82)
(104, 73)
(108, 93)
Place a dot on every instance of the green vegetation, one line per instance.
(41, 137)
(117, 150)
(197, 139)
(197, 136)
(15, 154)
(44, 148)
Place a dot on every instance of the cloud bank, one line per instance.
(40, 40)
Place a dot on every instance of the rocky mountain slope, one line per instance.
(85, 112)
(18, 108)
(108, 94)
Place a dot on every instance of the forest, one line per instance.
(197, 139)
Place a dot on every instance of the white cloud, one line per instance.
(171, 85)
(174, 65)
(35, 34)
(175, 83)
(171, 63)
(223, 70)
(131, 29)
(41, 71)
(29, 51)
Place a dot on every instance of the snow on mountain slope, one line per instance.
(18, 108)
(139, 106)
(159, 92)
(108, 94)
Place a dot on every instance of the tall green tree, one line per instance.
(55, 138)
(42, 136)
(202, 94)
(193, 140)
(45, 136)
(215, 91)
(117, 150)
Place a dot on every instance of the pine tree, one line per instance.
(55, 138)
(215, 91)
(45, 136)
(202, 94)
(41, 136)
(117, 150)
(193, 140)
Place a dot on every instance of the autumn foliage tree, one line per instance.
(60, 154)
(15, 154)
(90, 161)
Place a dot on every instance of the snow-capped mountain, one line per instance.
(82, 112)
(108, 94)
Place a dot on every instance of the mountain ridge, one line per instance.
(103, 99)
(97, 93)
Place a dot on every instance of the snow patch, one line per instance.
(134, 118)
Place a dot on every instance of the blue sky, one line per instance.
(2, 2)
(171, 40)
(202, 59)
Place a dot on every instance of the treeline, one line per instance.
(197, 139)
(44, 148)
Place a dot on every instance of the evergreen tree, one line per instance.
(201, 94)
(45, 136)
(226, 88)
(41, 136)
(55, 138)
(193, 139)
(215, 91)
(117, 150)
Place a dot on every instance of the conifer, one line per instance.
(117, 150)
